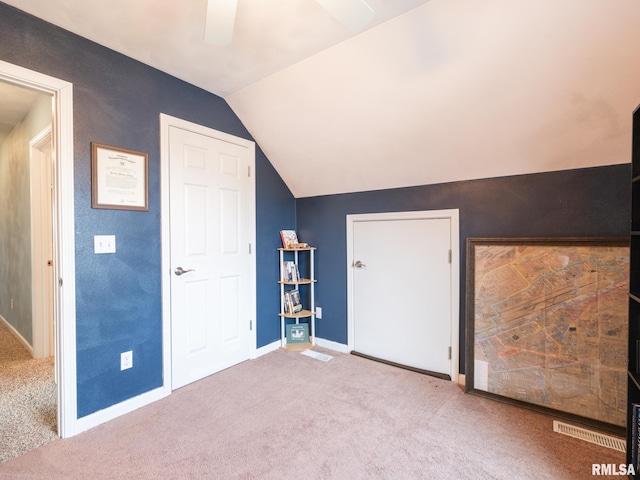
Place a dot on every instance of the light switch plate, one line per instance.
(104, 244)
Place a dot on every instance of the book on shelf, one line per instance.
(289, 238)
(288, 307)
(291, 273)
(296, 304)
(292, 302)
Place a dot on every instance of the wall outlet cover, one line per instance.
(126, 360)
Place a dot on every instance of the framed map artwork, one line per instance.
(547, 324)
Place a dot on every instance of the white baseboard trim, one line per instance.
(93, 420)
(98, 418)
(331, 345)
(17, 335)
(271, 347)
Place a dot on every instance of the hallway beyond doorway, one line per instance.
(28, 408)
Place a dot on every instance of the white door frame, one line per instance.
(166, 122)
(64, 234)
(453, 216)
(41, 243)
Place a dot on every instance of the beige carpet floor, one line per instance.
(27, 398)
(288, 416)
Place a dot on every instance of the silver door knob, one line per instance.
(358, 264)
(179, 271)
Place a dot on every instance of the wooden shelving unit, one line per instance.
(306, 255)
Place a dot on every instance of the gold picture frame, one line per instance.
(119, 178)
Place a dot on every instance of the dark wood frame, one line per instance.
(94, 178)
(470, 319)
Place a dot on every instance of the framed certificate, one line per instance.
(119, 178)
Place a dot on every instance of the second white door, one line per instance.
(402, 292)
(211, 195)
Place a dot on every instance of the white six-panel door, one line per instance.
(210, 234)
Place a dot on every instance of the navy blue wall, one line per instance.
(117, 101)
(573, 203)
(275, 212)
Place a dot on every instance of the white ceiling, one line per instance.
(15, 103)
(431, 92)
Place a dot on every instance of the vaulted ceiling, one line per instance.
(429, 92)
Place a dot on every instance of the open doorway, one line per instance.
(60, 106)
(27, 374)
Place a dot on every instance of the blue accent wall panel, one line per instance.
(118, 101)
(275, 211)
(574, 203)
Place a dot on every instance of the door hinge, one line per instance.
(60, 281)
(449, 353)
(249, 249)
(450, 256)
(250, 325)
(249, 171)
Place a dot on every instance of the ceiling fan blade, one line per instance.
(353, 14)
(221, 17)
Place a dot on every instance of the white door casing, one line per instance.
(415, 318)
(63, 234)
(209, 224)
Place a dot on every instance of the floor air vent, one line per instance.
(589, 436)
(317, 355)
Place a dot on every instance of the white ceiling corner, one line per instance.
(15, 104)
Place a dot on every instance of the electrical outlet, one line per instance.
(104, 244)
(318, 312)
(126, 360)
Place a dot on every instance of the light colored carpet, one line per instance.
(27, 398)
(289, 416)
